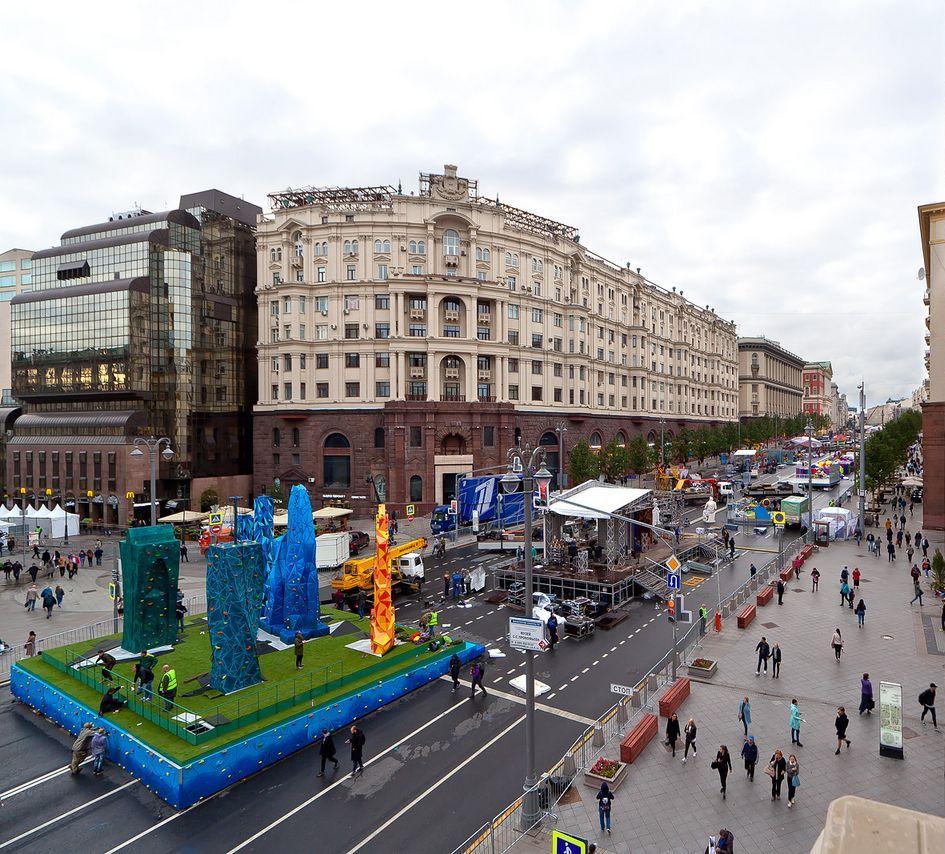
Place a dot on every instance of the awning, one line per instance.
(331, 513)
(593, 500)
(745, 452)
(184, 516)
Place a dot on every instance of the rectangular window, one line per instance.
(275, 391)
(513, 337)
(321, 389)
(352, 389)
(513, 312)
(287, 362)
(536, 368)
(287, 390)
(510, 281)
(382, 389)
(301, 332)
(321, 304)
(417, 330)
(416, 270)
(321, 332)
(537, 315)
(513, 392)
(382, 302)
(382, 272)
(302, 391)
(321, 275)
(557, 395)
(321, 361)
(382, 360)
(287, 305)
(382, 330)
(351, 272)
(536, 392)
(536, 339)
(416, 437)
(481, 275)
(488, 437)
(513, 366)
(352, 360)
(351, 331)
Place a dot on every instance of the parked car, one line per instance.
(358, 541)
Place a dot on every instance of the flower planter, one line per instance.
(702, 668)
(594, 780)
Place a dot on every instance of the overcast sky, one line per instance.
(766, 158)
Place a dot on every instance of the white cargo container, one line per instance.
(332, 550)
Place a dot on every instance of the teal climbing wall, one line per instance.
(150, 567)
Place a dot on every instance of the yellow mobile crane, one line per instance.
(358, 573)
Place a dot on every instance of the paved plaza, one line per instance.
(667, 806)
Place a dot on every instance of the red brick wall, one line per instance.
(933, 450)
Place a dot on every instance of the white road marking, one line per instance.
(542, 707)
(604, 655)
(585, 670)
(434, 787)
(622, 642)
(576, 676)
(552, 694)
(73, 811)
(596, 663)
(613, 649)
(23, 787)
(563, 686)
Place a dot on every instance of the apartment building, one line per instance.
(143, 325)
(406, 339)
(769, 379)
(816, 378)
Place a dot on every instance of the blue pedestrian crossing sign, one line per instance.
(565, 843)
(673, 581)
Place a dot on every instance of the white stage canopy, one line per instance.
(595, 500)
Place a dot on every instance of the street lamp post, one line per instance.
(862, 459)
(26, 535)
(662, 442)
(154, 447)
(561, 429)
(810, 484)
(526, 467)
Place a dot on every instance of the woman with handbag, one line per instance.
(744, 713)
(837, 643)
(793, 780)
(866, 695)
(672, 732)
(775, 769)
(722, 764)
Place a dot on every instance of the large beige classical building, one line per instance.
(408, 338)
(769, 379)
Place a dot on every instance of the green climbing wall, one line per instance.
(150, 566)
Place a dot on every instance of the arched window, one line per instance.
(548, 438)
(412, 246)
(595, 441)
(518, 436)
(354, 247)
(336, 463)
(347, 247)
(297, 239)
(621, 439)
(272, 256)
(486, 255)
(295, 437)
(478, 253)
(378, 437)
(276, 436)
(377, 247)
(325, 247)
(421, 247)
(386, 247)
(451, 304)
(450, 242)
(508, 259)
(416, 488)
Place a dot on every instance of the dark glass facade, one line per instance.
(151, 314)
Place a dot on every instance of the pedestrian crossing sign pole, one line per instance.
(565, 843)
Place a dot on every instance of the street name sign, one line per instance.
(526, 634)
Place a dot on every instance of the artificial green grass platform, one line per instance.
(284, 692)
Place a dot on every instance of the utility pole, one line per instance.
(810, 475)
(560, 429)
(863, 458)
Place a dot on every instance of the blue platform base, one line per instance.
(183, 785)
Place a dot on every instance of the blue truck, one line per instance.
(482, 497)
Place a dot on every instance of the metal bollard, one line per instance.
(568, 768)
(598, 740)
(622, 715)
(636, 699)
(652, 682)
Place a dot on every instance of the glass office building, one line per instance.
(150, 318)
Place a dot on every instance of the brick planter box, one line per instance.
(674, 697)
(746, 615)
(704, 669)
(786, 573)
(638, 738)
(765, 595)
(594, 780)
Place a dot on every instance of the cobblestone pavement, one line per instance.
(667, 806)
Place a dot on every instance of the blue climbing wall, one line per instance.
(150, 567)
(292, 595)
(235, 575)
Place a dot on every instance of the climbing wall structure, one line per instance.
(150, 566)
(382, 617)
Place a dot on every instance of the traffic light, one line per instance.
(671, 609)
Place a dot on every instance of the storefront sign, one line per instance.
(890, 720)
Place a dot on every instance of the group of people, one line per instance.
(50, 598)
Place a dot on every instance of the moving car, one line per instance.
(358, 541)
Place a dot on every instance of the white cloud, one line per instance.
(767, 159)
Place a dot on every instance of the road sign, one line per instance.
(623, 690)
(526, 633)
(410, 510)
(475, 521)
(111, 590)
(453, 506)
(673, 564)
(673, 581)
(565, 843)
(778, 518)
(215, 519)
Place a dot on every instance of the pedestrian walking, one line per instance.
(722, 764)
(99, 747)
(927, 701)
(775, 661)
(98, 555)
(605, 800)
(764, 651)
(60, 595)
(30, 645)
(752, 571)
(690, 733)
(744, 714)
(356, 740)
(446, 586)
(891, 552)
(455, 667)
(780, 589)
(793, 778)
(844, 593)
(918, 593)
(795, 721)
(750, 755)
(362, 600)
(776, 769)
(860, 613)
(836, 642)
(552, 631)
(814, 579)
(476, 674)
(183, 553)
(866, 695)
(167, 687)
(841, 723)
(31, 596)
(299, 644)
(81, 747)
(672, 732)
(909, 554)
(326, 750)
(180, 609)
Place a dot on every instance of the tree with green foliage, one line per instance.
(208, 500)
(938, 572)
(583, 463)
(614, 461)
(640, 456)
(680, 447)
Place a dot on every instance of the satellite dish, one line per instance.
(921, 273)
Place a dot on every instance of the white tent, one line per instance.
(593, 500)
(61, 522)
(6, 512)
(842, 521)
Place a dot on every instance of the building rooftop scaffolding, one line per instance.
(335, 198)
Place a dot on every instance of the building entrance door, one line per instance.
(449, 486)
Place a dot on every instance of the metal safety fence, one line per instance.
(524, 816)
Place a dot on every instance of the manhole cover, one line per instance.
(770, 625)
(886, 637)
(908, 733)
(798, 590)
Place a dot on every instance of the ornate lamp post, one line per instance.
(525, 468)
(154, 448)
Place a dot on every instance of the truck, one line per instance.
(332, 550)
(795, 508)
(479, 500)
(358, 573)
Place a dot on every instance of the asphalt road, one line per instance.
(438, 764)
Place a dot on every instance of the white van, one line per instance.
(411, 565)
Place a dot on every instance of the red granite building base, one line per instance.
(933, 451)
